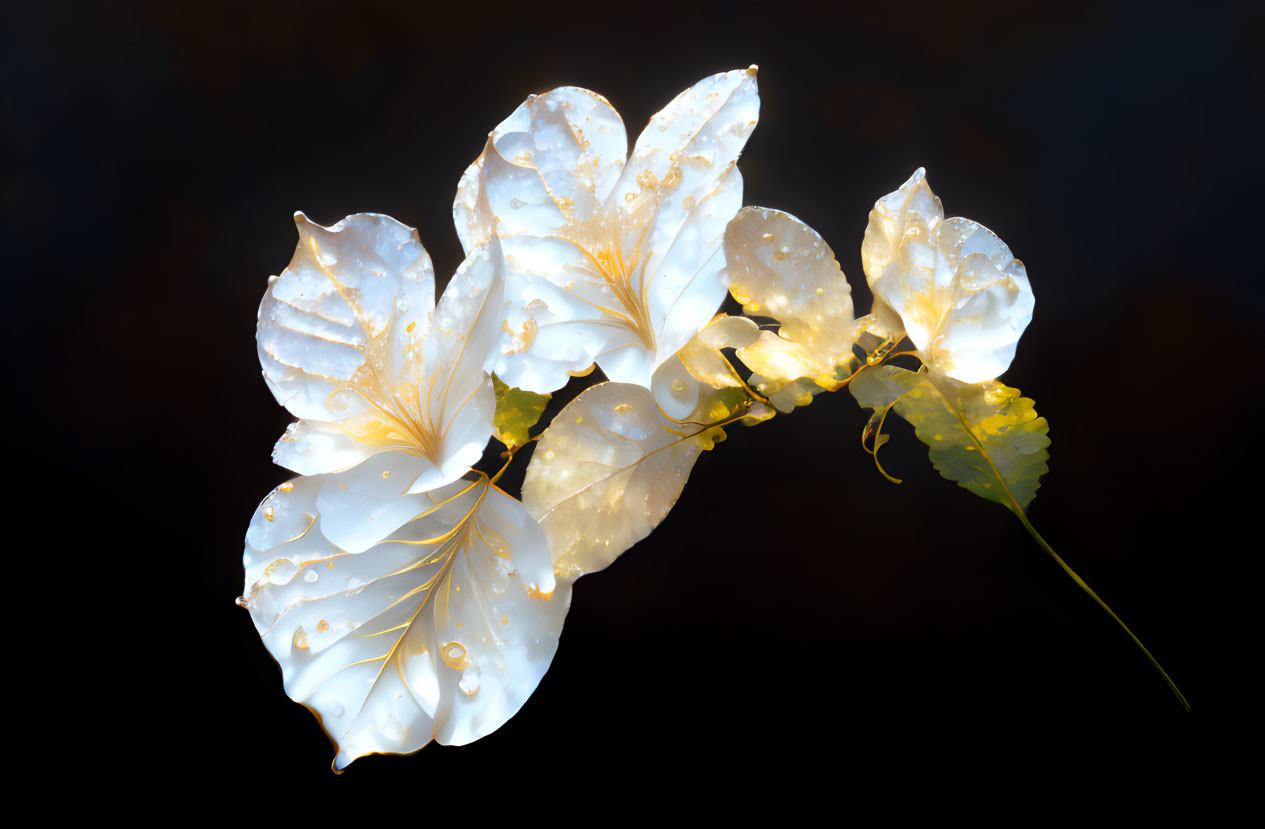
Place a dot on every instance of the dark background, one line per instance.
(796, 617)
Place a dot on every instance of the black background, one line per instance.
(796, 617)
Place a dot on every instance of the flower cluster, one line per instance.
(406, 597)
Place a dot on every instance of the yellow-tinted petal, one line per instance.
(780, 267)
(606, 472)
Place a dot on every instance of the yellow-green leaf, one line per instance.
(516, 412)
(985, 436)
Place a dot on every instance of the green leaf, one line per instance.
(516, 412)
(985, 436)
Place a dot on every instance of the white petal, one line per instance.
(909, 213)
(991, 303)
(453, 387)
(347, 341)
(675, 389)
(687, 287)
(350, 295)
(439, 632)
(606, 472)
(363, 505)
(554, 334)
(638, 275)
(310, 447)
(710, 121)
(561, 151)
(959, 294)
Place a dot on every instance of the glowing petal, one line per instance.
(991, 304)
(721, 393)
(910, 214)
(702, 354)
(984, 436)
(621, 274)
(606, 473)
(351, 341)
(710, 121)
(950, 284)
(780, 267)
(348, 298)
(566, 146)
(439, 632)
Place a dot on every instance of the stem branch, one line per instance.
(1089, 591)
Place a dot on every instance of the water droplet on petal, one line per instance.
(469, 683)
(338, 401)
(454, 655)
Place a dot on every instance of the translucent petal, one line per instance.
(780, 267)
(910, 214)
(567, 145)
(354, 293)
(351, 340)
(710, 121)
(702, 354)
(955, 288)
(624, 278)
(991, 303)
(455, 397)
(606, 473)
(440, 631)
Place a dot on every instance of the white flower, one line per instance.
(950, 284)
(610, 261)
(351, 341)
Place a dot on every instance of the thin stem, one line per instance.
(1089, 591)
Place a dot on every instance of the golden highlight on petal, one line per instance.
(351, 342)
(614, 261)
(439, 631)
(950, 284)
(606, 472)
(779, 267)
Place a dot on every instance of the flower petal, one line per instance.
(950, 284)
(710, 122)
(606, 472)
(992, 303)
(633, 277)
(455, 392)
(347, 341)
(780, 267)
(439, 632)
(911, 213)
(561, 151)
(354, 293)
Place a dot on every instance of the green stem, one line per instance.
(1083, 586)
